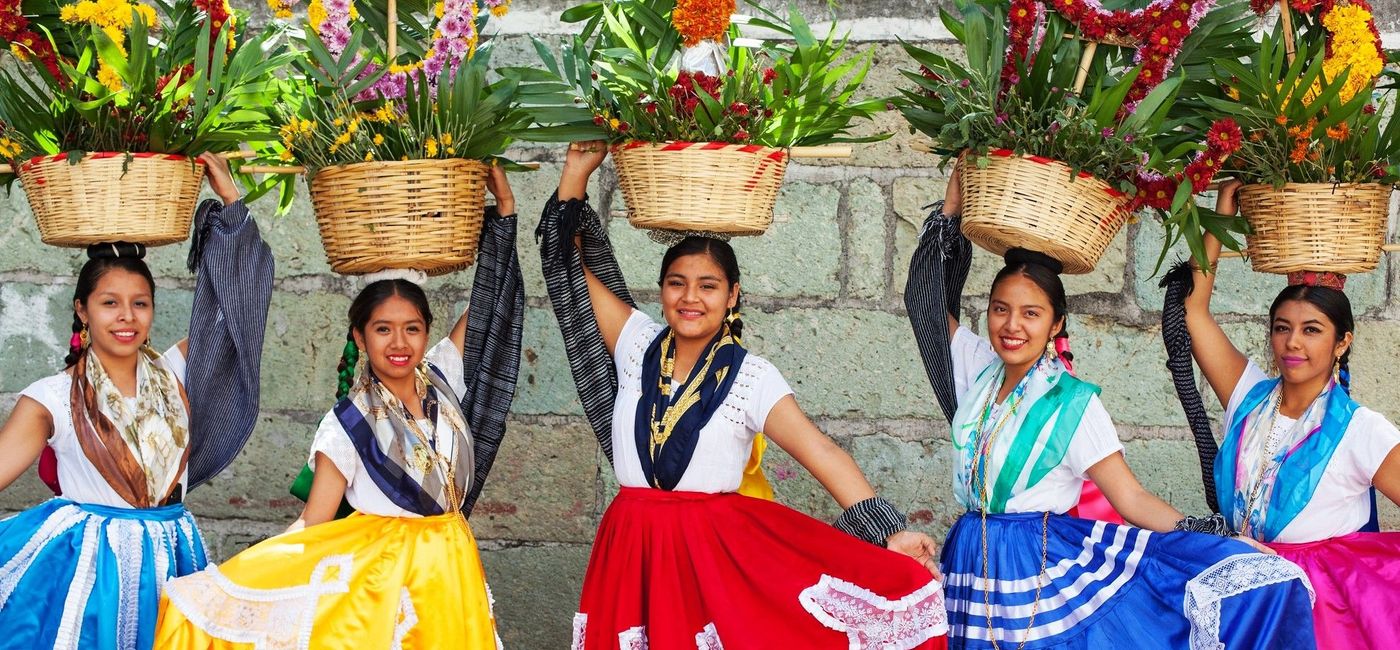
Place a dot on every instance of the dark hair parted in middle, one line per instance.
(102, 260)
(1044, 271)
(1334, 305)
(718, 250)
(362, 307)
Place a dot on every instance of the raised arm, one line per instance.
(22, 438)
(1220, 361)
(610, 311)
(933, 292)
(492, 333)
(233, 288)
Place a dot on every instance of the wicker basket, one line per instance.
(1316, 226)
(106, 197)
(700, 186)
(414, 214)
(1031, 202)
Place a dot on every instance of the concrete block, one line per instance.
(866, 242)
(254, 487)
(537, 589)
(304, 341)
(544, 486)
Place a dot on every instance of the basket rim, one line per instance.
(402, 163)
(1044, 160)
(682, 145)
(1273, 188)
(101, 155)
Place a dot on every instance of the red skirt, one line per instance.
(1356, 579)
(680, 570)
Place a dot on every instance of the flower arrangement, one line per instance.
(125, 76)
(1038, 83)
(678, 70)
(1317, 118)
(357, 102)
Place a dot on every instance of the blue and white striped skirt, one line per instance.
(78, 575)
(1109, 586)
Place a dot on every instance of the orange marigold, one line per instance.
(698, 20)
(1339, 132)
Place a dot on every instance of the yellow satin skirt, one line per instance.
(359, 582)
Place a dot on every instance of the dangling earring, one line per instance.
(83, 339)
(1337, 370)
(731, 316)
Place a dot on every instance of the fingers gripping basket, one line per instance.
(700, 186)
(1031, 202)
(1316, 226)
(105, 197)
(414, 214)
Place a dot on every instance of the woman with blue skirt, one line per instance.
(126, 432)
(1026, 435)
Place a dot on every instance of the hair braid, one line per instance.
(345, 372)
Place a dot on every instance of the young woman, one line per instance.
(132, 431)
(1299, 457)
(1026, 435)
(409, 447)
(681, 560)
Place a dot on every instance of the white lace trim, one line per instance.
(70, 623)
(708, 639)
(57, 523)
(871, 620)
(633, 639)
(407, 618)
(125, 537)
(580, 631)
(271, 619)
(1232, 576)
(491, 610)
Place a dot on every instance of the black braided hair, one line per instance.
(1179, 283)
(102, 259)
(345, 372)
(1335, 306)
(723, 255)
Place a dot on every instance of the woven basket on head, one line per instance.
(700, 186)
(107, 197)
(1036, 203)
(413, 214)
(1316, 226)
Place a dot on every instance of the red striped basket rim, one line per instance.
(778, 155)
(98, 155)
(1007, 153)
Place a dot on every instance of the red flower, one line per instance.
(739, 108)
(691, 103)
(769, 75)
(741, 135)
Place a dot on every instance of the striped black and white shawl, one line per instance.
(937, 274)
(233, 287)
(563, 264)
(491, 350)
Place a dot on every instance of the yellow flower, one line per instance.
(369, 156)
(501, 9)
(285, 156)
(438, 10)
(430, 146)
(343, 138)
(378, 139)
(446, 139)
(614, 122)
(316, 14)
(338, 122)
(1352, 47)
(108, 77)
(451, 151)
(353, 127)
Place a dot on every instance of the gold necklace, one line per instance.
(985, 500)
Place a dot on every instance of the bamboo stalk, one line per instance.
(392, 24)
(1289, 47)
(1085, 60)
(6, 169)
(827, 151)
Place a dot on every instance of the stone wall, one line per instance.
(825, 305)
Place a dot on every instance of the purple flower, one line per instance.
(1106, 133)
(1055, 127)
(334, 7)
(1014, 79)
(336, 37)
(1001, 119)
(965, 83)
(1129, 138)
(455, 26)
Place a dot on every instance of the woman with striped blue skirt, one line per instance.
(1026, 435)
(125, 432)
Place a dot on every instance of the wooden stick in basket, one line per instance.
(1289, 47)
(6, 169)
(828, 151)
(1085, 60)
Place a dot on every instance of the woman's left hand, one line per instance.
(220, 178)
(1258, 546)
(919, 546)
(499, 188)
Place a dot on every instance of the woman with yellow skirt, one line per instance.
(408, 447)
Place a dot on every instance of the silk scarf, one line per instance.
(1293, 473)
(139, 448)
(668, 421)
(399, 463)
(1029, 446)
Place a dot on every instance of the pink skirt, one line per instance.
(1357, 581)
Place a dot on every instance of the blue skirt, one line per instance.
(87, 576)
(1114, 587)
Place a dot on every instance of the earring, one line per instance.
(731, 316)
(1337, 370)
(83, 339)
